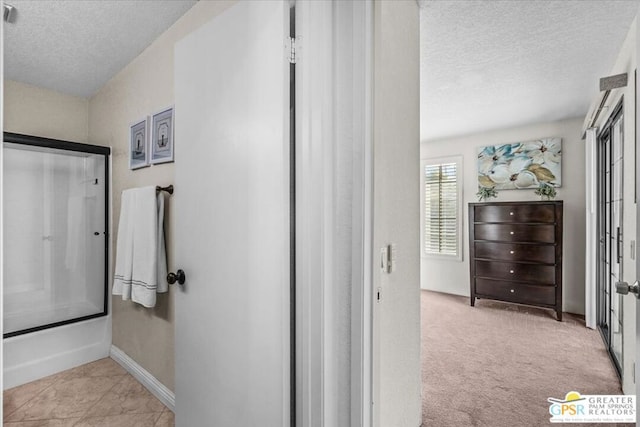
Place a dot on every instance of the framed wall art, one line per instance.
(138, 147)
(521, 165)
(162, 136)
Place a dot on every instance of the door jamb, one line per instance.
(317, 126)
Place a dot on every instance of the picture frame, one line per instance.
(138, 144)
(162, 136)
(521, 165)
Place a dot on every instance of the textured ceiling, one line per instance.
(76, 46)
(489, 65)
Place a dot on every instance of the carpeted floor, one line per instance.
(496, 364)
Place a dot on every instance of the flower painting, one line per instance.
(521, 164)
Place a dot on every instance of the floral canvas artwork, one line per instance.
(521, 164)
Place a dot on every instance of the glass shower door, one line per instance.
(55, 235)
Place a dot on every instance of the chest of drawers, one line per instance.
(515, 253)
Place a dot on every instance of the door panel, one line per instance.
(231, 220)
(610, 195)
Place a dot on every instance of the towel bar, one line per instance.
(168, 189)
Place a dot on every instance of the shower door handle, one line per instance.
(176, 277)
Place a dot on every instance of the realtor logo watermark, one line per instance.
(576, 408)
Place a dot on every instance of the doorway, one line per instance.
(610, 235)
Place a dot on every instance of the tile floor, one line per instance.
(98, 394)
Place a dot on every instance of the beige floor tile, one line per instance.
(106, 367)
(126, 397)
(167, 419)
(14, 398)
(125, 420)
(69, 422)
(66, 398)
(99, 394)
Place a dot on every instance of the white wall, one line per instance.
(396, 145)
(452, 276)
(142, 88)
(32, 110)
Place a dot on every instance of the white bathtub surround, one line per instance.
(36, 355)
(141, 260)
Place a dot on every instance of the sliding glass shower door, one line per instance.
(55, 233)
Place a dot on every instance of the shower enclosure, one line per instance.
(55, 233)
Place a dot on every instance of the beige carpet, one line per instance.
(496, 364)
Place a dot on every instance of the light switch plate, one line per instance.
(393, 257)
(384, 259)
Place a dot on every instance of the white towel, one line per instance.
(141, 262)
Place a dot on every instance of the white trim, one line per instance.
(313, 130)
(366, 362)
(458, 160)
(636, 235)
(322, 138)
(591, 228)
(150, 382)
(362, 250)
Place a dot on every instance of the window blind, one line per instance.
(441, 209)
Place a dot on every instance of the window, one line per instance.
(442, 204)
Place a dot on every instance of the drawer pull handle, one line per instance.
(511, 271)
(512, 252)
(512, 291)
(511, 232)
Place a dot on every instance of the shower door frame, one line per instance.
(56, 144)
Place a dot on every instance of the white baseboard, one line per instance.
(156, 388)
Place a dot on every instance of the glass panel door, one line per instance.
(610, 204)
(616, 240)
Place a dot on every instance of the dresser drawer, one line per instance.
(532, 273)
(515, 233)
(526, 294)
(545, 254)
(515, 213)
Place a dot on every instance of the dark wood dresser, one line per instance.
(515, 253)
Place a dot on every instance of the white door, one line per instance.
(231, 205)
(637, 239)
